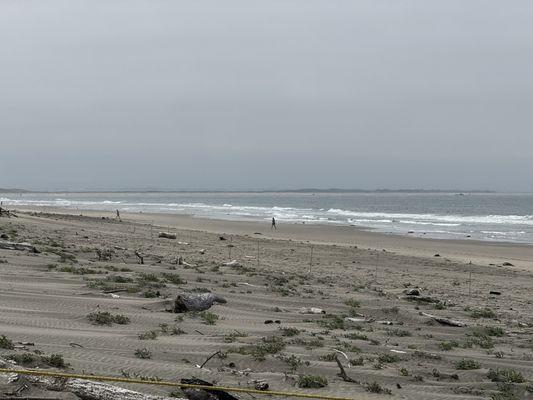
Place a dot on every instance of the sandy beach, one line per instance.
(387, 341)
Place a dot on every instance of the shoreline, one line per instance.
(463, 251)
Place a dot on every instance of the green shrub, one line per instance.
(143, 353)
(6, 343)
(505, 376)
(467, 365)
(106, 318)
(54, 360)
(447, 346)
(312, 382)
(375, 387)
(208, 317)
(483, 313)
(289, 332)
(388, 358)
(148, 335)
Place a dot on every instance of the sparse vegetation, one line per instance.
(505, 376)
(148, 335)
(143, 353)
(312, 382)
(375, 387)
(467, 364)
(208, 317)
(388, 358)
(106, 318)
(449, 345)
(483, 313)
(6, 343)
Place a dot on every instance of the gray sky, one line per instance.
(256, 94)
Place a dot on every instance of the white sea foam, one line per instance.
(494, 226)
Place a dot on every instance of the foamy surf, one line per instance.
(439, 216)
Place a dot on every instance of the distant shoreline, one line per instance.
(302, 191)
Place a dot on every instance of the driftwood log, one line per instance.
(196, 302)
(85, 389)
(139, 256)
(6, 213)
(203, 394)
(18, 246)
(166, 235)
(444, 321)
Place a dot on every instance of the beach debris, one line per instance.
(343, 354)
(204, 394)
(507, 264)
(311, 310)
(4, 236)
(422, 299)
(444, 321)
(232, 263)
(196, 302)
(139, 256)
(184, 243)
(23, 246)
(494, 292)
(398, 351)
(7, 213)
(270, 321)
(201, 251)
(82, 388)
(342, 374)
(114, 296)
(412, 292)
(222, 238)
(437, 255)
(166, 235)
(260, 384)
(208, 358)
(356, 320)
(385, 322)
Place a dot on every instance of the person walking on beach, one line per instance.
(118, 216)
(273, 223)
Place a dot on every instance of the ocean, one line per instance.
(481, 216)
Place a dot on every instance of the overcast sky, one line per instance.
(124, 94)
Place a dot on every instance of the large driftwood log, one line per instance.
(444, 321)
(18, 246)
(196, 302)
(202, 394)
(166, 235)
(85, 389)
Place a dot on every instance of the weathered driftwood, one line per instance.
(166, 235)
(202, 394)
(196, 302)
(444, 321)
(18, 246)
(139, 256)
(92, 390)
(342, 374)
(6, 213)
(85, 389)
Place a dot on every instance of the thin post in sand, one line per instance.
(311, 259)
(470, 285)
(257, 252)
